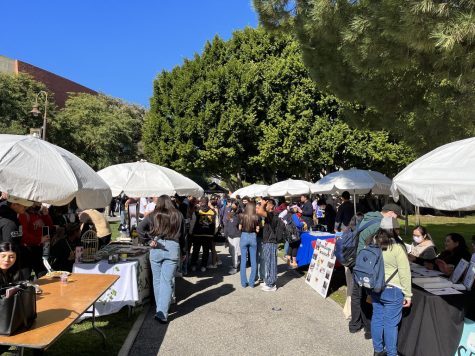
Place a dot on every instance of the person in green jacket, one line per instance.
(360, 310)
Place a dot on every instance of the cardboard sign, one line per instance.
(321, 267)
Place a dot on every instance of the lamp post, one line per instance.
(35, 111)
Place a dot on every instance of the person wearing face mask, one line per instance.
(422, 248)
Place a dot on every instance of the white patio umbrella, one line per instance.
(37, 170)
(289, 187)
(355, 181)
(442, 179)
(145, 179)
(253, 190)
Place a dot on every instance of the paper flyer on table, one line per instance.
(459, 271)
(469, 276)
(443, 291)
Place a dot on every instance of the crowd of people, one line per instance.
(183, 231)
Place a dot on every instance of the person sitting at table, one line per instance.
(10, 271)
(455, 249)
(164, 228)
(388, 304)
(422, 247)
(63, 252)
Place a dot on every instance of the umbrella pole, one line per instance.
(354, 201)
(418, 219)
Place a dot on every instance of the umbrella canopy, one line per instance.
(214, 188)
(251, 191)
(37, 170)
(355, 181)
(442, 179)
(144, 179)
(289, 187)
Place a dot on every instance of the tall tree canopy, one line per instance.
(409, 65)
(17, 96)
(99, 129)
(246, 109)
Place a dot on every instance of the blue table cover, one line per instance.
(305, 251)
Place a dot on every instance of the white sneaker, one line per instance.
(269, 289)
(203, 269)
(212, 266)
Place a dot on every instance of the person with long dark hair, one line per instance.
(249, 225)
(388, 303)
(164, 229)
(10, 271)
(455, 249)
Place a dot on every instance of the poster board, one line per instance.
(467, 341)
(321, 267)
(469, 276)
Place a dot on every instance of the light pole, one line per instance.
(35, 111)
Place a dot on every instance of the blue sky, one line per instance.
(116, 46)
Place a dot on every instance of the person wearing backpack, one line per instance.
(396, 291)
(360, 309)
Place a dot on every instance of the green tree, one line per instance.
(409, 66)
(247, 110)
(99, 129)
(17, 96)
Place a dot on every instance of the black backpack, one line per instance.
(280, 229)
(293, 233)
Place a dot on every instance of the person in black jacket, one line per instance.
(269, 247)
(307, 210)
(345, 212)
(329, 218)
(232, 233)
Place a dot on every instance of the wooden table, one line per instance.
(58, 307)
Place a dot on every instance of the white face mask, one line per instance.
(417, 239)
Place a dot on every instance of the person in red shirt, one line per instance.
(32, 222)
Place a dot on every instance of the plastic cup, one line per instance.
(64, 278)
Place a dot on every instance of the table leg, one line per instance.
(95, 327)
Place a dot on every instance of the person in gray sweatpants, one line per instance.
(232, 233)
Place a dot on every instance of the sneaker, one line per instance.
(160, 320)
(193, 268)
(269, 289)
(232, 271)
(212, 266)
(219, 263)
(203, 269)
(178, 274)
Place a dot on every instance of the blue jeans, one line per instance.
(248, 240)
(387, 313)
(260, 260)
(163, 261)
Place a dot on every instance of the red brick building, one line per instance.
(58, 85)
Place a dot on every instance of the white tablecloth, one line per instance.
(131, 288)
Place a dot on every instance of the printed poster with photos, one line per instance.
(321, 267)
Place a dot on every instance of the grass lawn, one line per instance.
(81, 339)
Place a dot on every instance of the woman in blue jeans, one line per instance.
(249, 225)
(388, 304)
(164, 228)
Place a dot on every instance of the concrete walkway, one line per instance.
(216, 316)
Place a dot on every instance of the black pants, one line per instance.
(360, 310)
(198, 242)
(293, 248)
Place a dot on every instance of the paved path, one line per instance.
(216, 316)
